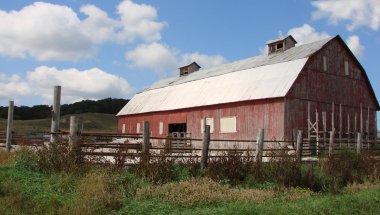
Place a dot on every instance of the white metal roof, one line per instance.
(266, 76)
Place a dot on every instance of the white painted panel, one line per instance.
(161, 128)
(138, 128)
(346, 68)
(210, 122)
(228, 124)
(123, 129)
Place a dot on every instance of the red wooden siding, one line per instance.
(324, 87)
(250, 116)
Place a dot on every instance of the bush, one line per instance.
(231, 167)
(26, 159)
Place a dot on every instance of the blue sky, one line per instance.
(98, 49)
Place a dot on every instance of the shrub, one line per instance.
(26, 159)
(284, 169)
(6, 157)
(231, 167)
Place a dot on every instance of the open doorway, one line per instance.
(177, 127)
(177, 131)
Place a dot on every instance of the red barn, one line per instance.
(319, 82)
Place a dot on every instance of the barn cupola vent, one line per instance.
(281, 44)
(185, 70)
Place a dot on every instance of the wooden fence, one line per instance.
(131, 148)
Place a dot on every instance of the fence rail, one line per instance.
(130, 147)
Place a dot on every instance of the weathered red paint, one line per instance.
(278, 116)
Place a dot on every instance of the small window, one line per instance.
(228, 124)
(210, 122)
(123, 129)
(161, 128)
(346, 68)
(138, 128)
(324, 64)
(279, 46)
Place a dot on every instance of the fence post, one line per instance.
(73, 138)
(359, 143)
(205, 146)
(55, 114)
(259, 146)
(8, 141)
(146, 138)
(331, 145)
(299, 146)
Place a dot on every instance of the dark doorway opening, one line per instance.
(177, 127)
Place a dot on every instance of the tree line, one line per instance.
(108, 105)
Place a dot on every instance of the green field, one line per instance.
(50, 181)
(91, 122)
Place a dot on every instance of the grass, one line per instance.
(90, 121)
(30, 184)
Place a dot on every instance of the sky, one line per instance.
(98, 49)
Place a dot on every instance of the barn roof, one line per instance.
(265, 76)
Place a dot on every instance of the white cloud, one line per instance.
(48, 31)
(139, 20)
(159, 57)
(306, 34)
(76, 85)
(154, 56)
(205, 61)
(353, 42)
(356, 12)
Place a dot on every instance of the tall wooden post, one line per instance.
(299, 146)
(324, 128)
(73, 138)
(9, 136)
(340, 125)
(359, 143)
(375, 126)
(367, 129)
(348, 131)
(259, 146)
(332, 116)
(146, 138)
(55, 114)
(331, 145)
(205, 146)
(361, 118)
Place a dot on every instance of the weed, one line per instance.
(201, 191)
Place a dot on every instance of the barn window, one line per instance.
(161, 128)
(228, 124)
(138, 128)
(279, 46)
(346, 68)
(210, 122)
(324, 64)
(123, 128)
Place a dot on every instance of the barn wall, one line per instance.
(250, 116)
(322, 88)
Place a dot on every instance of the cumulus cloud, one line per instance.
(306, 34)
(205, 61)
(48, 31)
(154, 56)
(160, 57)
(356, 13)
(76, 85)
(353, 42)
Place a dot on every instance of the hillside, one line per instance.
(98, 122)
(108, 105)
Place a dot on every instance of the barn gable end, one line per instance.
(331, 75)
